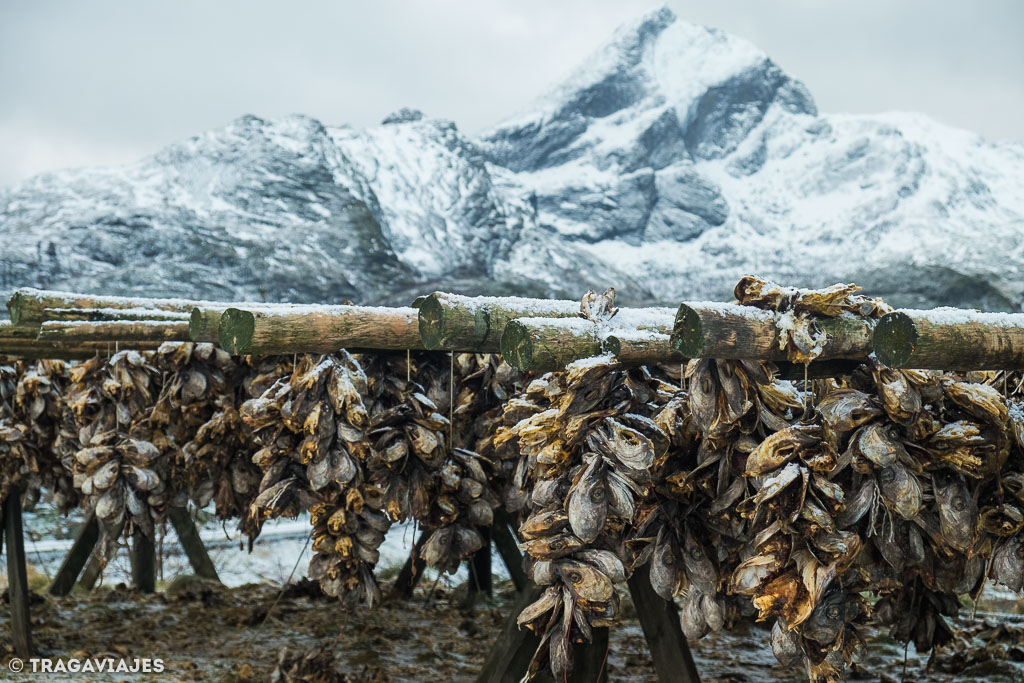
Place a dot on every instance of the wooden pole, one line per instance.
(77, 556)
(111, 314)
(659, 620)
(950, 339)
(104, 552)
(542, 344)
(412, 570)
(72, 351)
(143, 562)
(204, 321)
(589, 661)
(508, 549)
(640, 347)
(113, 331)
(17, 577)
(325, 330)
(452, 322)
(27, 306)
(188, 536)
(480, 568)
(713, 330)
(513, 649)
(510, 655)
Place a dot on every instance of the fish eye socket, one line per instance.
(705, 385)
(574, 576)
(894, 433)
(669, 559)
(832, 612)
(959, 504)
(597, 495)
(557, 544)
(887, 476)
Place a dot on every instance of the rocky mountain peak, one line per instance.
(673, 160)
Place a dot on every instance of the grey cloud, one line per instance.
(105, 81)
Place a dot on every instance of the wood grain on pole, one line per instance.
(659, 620)
(326, 330)
(412, 570)
(17, 577)
(104, 551)
(117, 331)
(950, 339)
(188, 536)
(452, 322)
(713, 330)
(77, 556)
(143, 556)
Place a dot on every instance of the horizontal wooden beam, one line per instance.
(323, 330)
(716, 330)
(950, 339)
(543, 344)
(111, 314)
(452, 322)
(114, 331)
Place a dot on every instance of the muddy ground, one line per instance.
(206, 632)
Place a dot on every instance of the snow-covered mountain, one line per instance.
(672, 161)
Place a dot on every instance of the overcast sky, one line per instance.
(104, 82)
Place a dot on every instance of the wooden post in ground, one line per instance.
(102, 554)
(412, 570)
(589, 661)
(513, 649)
(76, 557)
(190, 541)
(480, 577)
(480, 569)
(17, 578)
(143, 562)
(505, 542)
(659, 620)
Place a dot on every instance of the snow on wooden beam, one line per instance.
(950, 339)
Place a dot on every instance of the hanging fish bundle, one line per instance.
(197, 411)
(792, 506)
(311, 426)
(590, 455)
(31, 405)
(120, 465)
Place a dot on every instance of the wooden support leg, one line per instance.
(480, 567)
(659, 620)
(143, 562)
(505, 542)
(412, 570)
(76, 557)
(17, 578)
(188, 535)
(589, 662)
(513, 649)
(104, 552)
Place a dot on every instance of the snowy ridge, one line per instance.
(669, 163)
